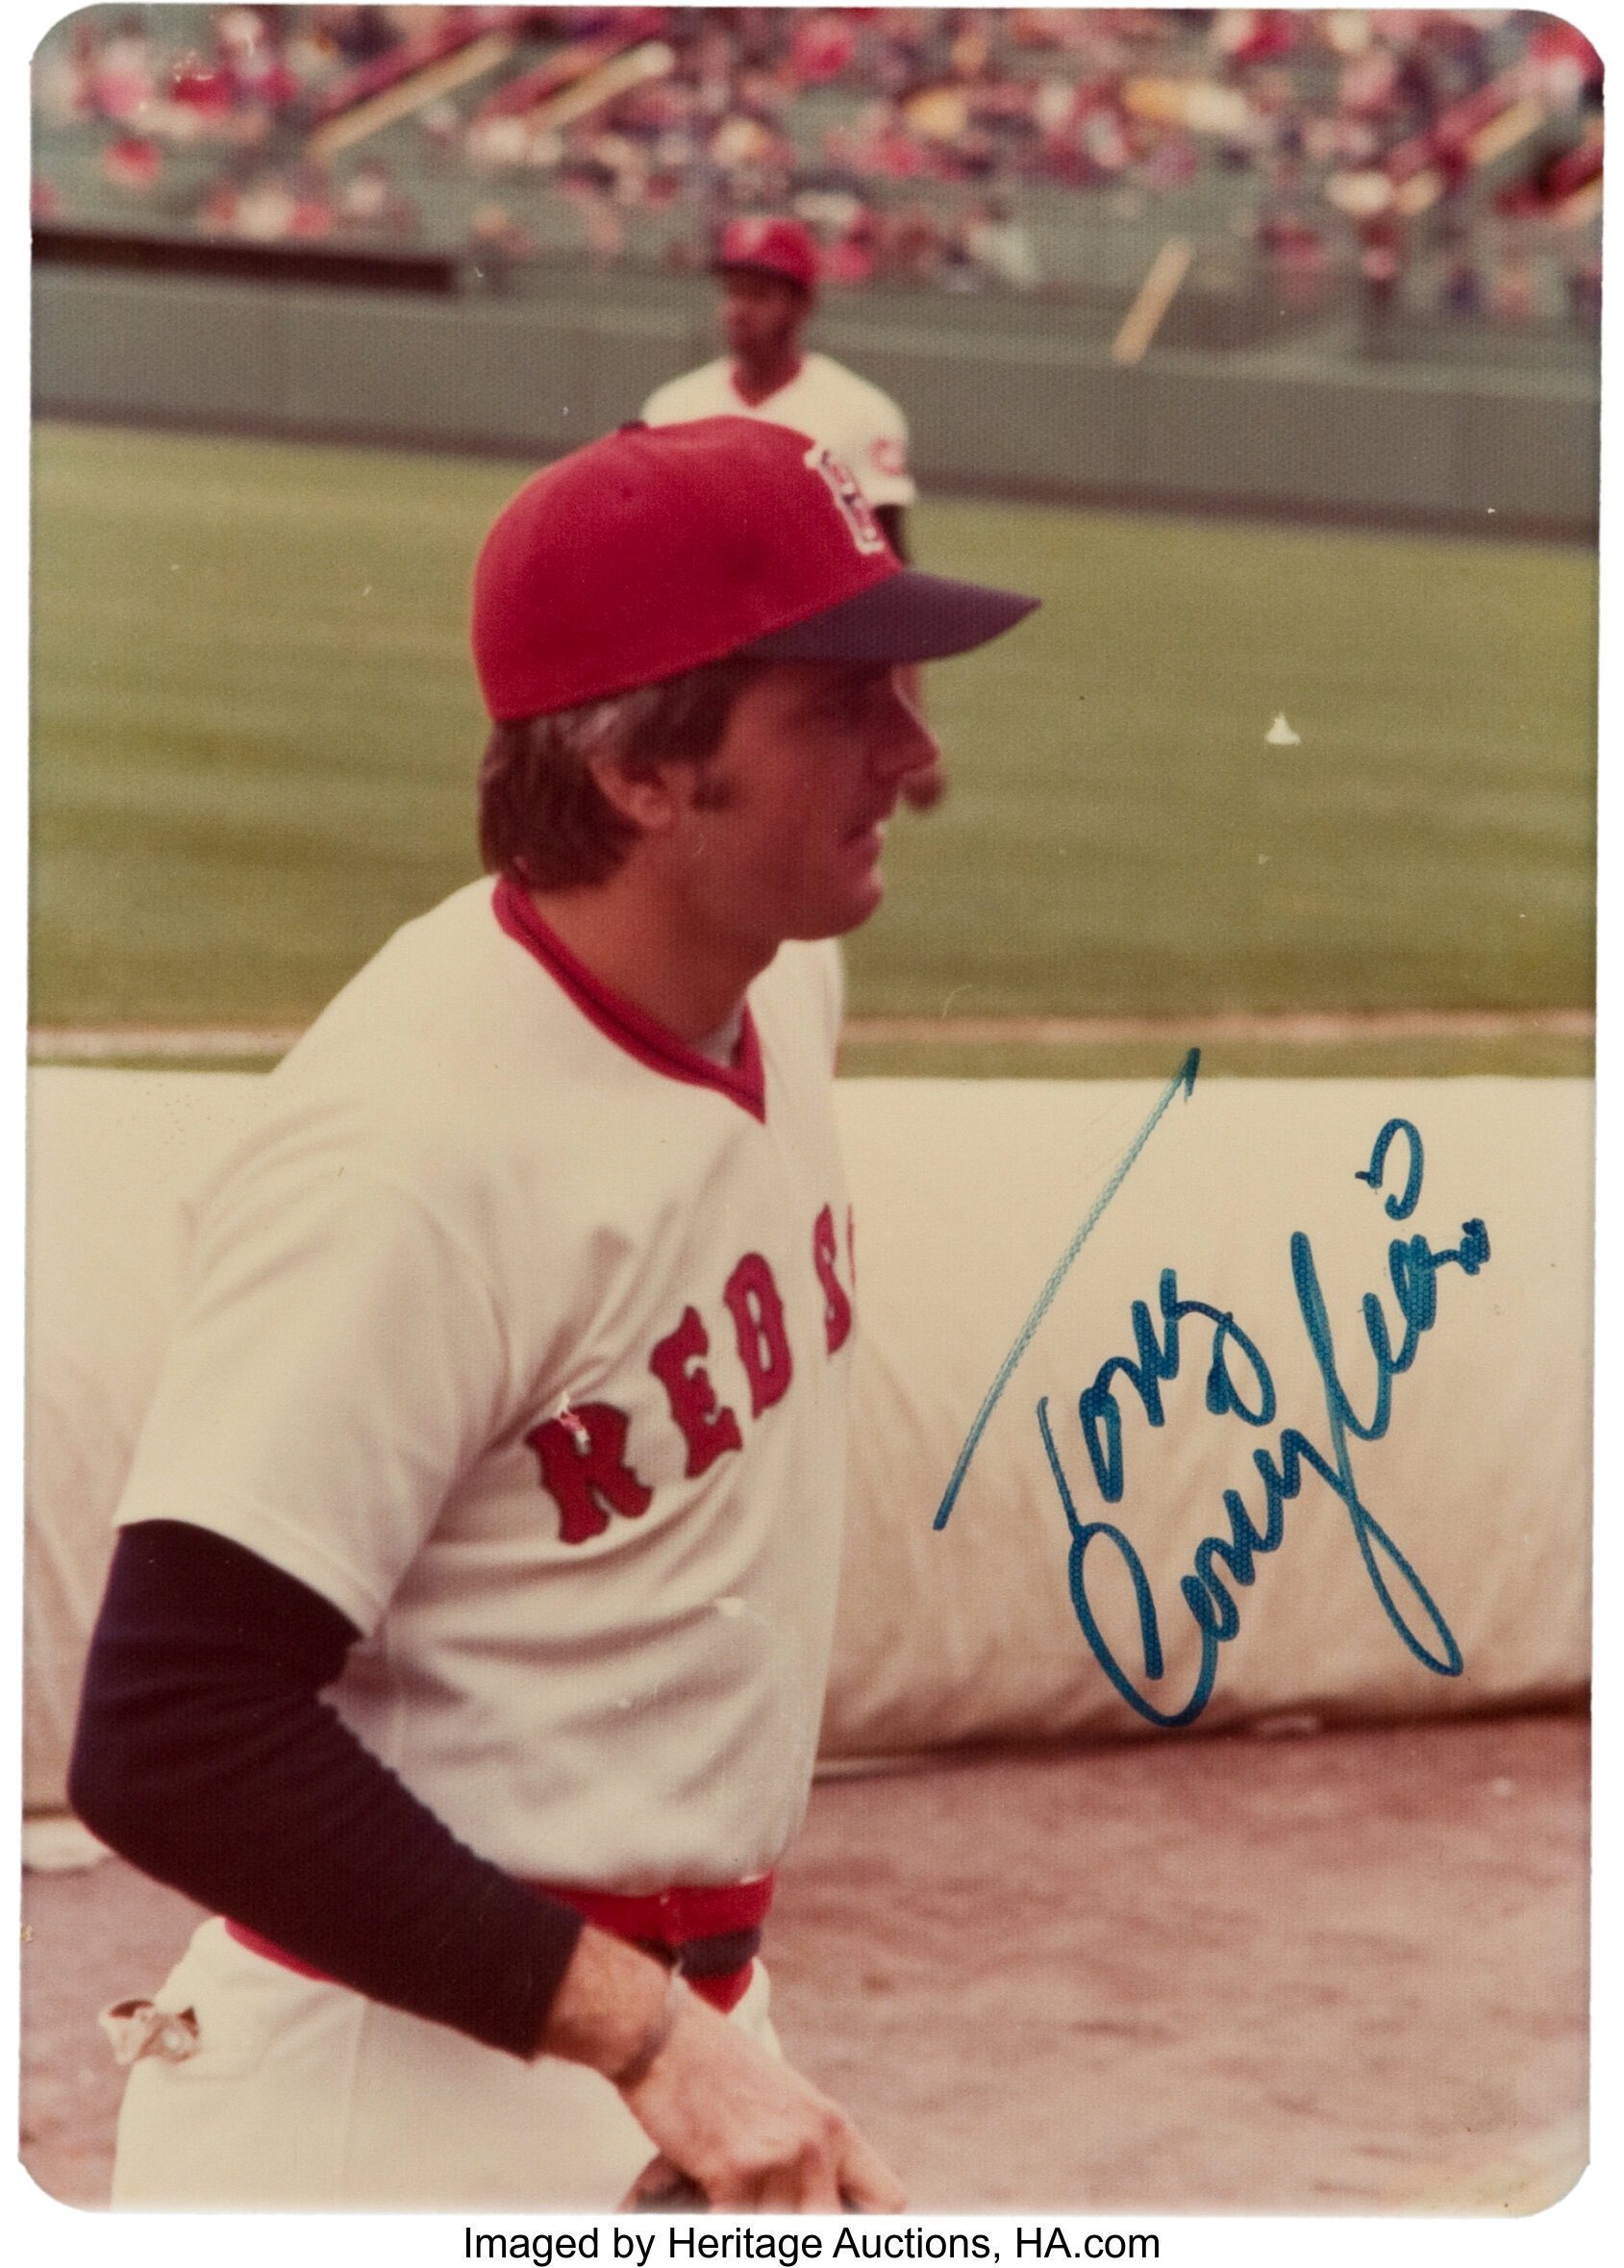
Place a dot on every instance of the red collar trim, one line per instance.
(619, 1020)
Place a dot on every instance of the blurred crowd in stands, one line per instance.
(1451, 153)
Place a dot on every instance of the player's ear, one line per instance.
(649, 800)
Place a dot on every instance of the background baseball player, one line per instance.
(768, 268)
(465, 1639)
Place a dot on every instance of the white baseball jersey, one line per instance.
(519, 1331)
(824, 400)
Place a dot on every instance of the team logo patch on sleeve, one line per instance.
(864, 528)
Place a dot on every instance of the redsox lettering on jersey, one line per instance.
(583, 1451)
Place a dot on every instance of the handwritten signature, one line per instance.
(1222, 1560)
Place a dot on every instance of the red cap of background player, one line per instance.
(775, 246)
(662, 547)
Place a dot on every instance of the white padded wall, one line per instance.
(967, 1196)
(969, 1193)
(109, 1153)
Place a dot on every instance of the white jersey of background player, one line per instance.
(767, 266)
(862, 426)
(466, 1630)
(768, 270)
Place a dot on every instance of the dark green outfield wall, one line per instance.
(1019, 410)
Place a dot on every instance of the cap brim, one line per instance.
(911, 616)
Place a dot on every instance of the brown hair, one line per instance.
(543, 821)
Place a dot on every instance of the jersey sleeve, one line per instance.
(337, 1362)
(657, 409)
(206, 1756)
(877, 450)
(705, 392)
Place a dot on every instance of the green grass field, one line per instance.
(256, 730)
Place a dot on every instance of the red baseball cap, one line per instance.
(772, 244)
(662, 547)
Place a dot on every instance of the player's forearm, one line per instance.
(609, 2007)
(733, 2123)
(204, 1757)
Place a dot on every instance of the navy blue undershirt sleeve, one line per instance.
(205, 1755)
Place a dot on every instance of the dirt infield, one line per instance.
(1339, 1973)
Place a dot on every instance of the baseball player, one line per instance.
(465, 1638)
(767, 267)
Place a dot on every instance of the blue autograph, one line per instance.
(1413, 1267)
(1186, 1079)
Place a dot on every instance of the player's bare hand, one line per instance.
(747, 2130)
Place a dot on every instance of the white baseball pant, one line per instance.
(305, 2096)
